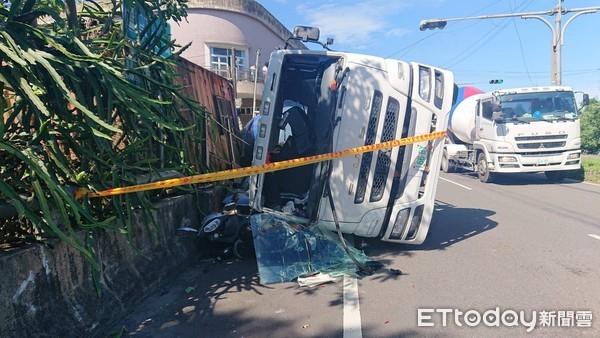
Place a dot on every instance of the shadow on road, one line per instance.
(211, 299)
(517, 179)
(185, 307)
(450, 225)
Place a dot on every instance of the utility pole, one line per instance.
(255, 81)
(233, 71)
(558, 31)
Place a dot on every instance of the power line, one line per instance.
(557, 31)
(489, 36)
(520, 44)
(462, 56)
(409, 47)
(487, 71)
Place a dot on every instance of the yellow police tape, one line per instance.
(259, 169)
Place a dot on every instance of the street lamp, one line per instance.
(558, 32)
(558, 38)
(432, 24)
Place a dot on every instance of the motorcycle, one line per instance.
(230, 227)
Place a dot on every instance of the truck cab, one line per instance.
(318, 102)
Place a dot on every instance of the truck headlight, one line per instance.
(507, 159)
(400, 223)
(573, 156)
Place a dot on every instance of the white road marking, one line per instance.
(460, 185)
(594, 236)
(352, 323)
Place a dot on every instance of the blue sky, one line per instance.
(512, 49)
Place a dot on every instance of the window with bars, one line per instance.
(219, 60)
(245, 111)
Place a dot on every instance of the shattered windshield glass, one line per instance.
(286, 249)
(539, 106)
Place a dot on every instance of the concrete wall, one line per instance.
(47, 291)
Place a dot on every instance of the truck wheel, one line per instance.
(446, 166)
(555, 176)
(483, 171)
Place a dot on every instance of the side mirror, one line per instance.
(306, 33)
(496, 107)
(498, 116)
(586, 100)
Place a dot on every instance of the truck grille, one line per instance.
(541, 145)
(541, 153)
(365, 164)
(541, 138)
(382, 166)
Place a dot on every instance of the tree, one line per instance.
(590, 128)
(83, 106)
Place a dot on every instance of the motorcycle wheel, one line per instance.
(242, 250)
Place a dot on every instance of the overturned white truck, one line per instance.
(522, 130)
(317, 102)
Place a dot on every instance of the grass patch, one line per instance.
(590, 170)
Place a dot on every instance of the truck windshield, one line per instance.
(540, 106)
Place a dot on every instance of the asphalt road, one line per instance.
(519, 245)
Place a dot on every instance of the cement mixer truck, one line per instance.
(521, 130)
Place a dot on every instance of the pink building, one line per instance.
(219, 29)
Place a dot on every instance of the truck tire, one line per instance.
(555, 176)
(483, 171)
(446, 166)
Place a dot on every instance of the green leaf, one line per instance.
(11, 55)
(32, 97)
(58, 81)
(73, 241)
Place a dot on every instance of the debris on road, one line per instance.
(286, 248)
(396, 272)
(315, 279)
